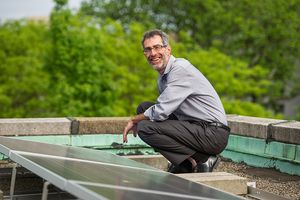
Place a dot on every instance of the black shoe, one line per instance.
(209, 165)
(184, 167)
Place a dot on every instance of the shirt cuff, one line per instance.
(149, 113)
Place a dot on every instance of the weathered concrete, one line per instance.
(35, 126)
(251, 126)
(263, 128)
(220, 180)
(156, 161)
(287, 132)
(103, 125)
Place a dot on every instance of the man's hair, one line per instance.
(152, 33)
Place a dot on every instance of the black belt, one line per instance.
(217, 124)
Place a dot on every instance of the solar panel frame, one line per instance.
(12, 144)
(131, 193)
(80, 186)
(119, 175)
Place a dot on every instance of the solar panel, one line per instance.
(11, 144)
(91, 174)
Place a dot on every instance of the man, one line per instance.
(187, 124)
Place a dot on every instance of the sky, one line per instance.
(18, 9)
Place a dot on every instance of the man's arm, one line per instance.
(177, 88)
(131, 125)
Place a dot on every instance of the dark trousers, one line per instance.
(178, 140)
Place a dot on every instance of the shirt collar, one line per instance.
(170, 63)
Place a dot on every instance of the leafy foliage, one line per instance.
(81, 75)
(78, 65)
(264, 33)
(241, 87)
(23, 83)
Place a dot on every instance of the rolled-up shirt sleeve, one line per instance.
(177, 89)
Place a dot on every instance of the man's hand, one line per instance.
(131, 126)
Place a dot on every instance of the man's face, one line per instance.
(156, 53)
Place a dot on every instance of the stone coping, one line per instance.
(34, 126)
(95, 125)
(263, 128)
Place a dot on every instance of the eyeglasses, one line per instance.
(156, 48)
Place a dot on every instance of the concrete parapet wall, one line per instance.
(250, 126)
(256, 141)
(96, 125)
(282, 156)
(288, 132)
(34, 126)
(263, 128)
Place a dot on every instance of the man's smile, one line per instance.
(155, 60)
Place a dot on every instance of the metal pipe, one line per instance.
(13, 181)
(45, 190)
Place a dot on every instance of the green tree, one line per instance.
(264, 33)
(298, 114)
(84, 66)
(23, 82)
(80, 73)
(134, 79)
(234, 81)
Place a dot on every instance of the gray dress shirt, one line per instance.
(185, 92)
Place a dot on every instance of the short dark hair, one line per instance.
(152, 33)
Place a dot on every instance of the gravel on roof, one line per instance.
(269, 180)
